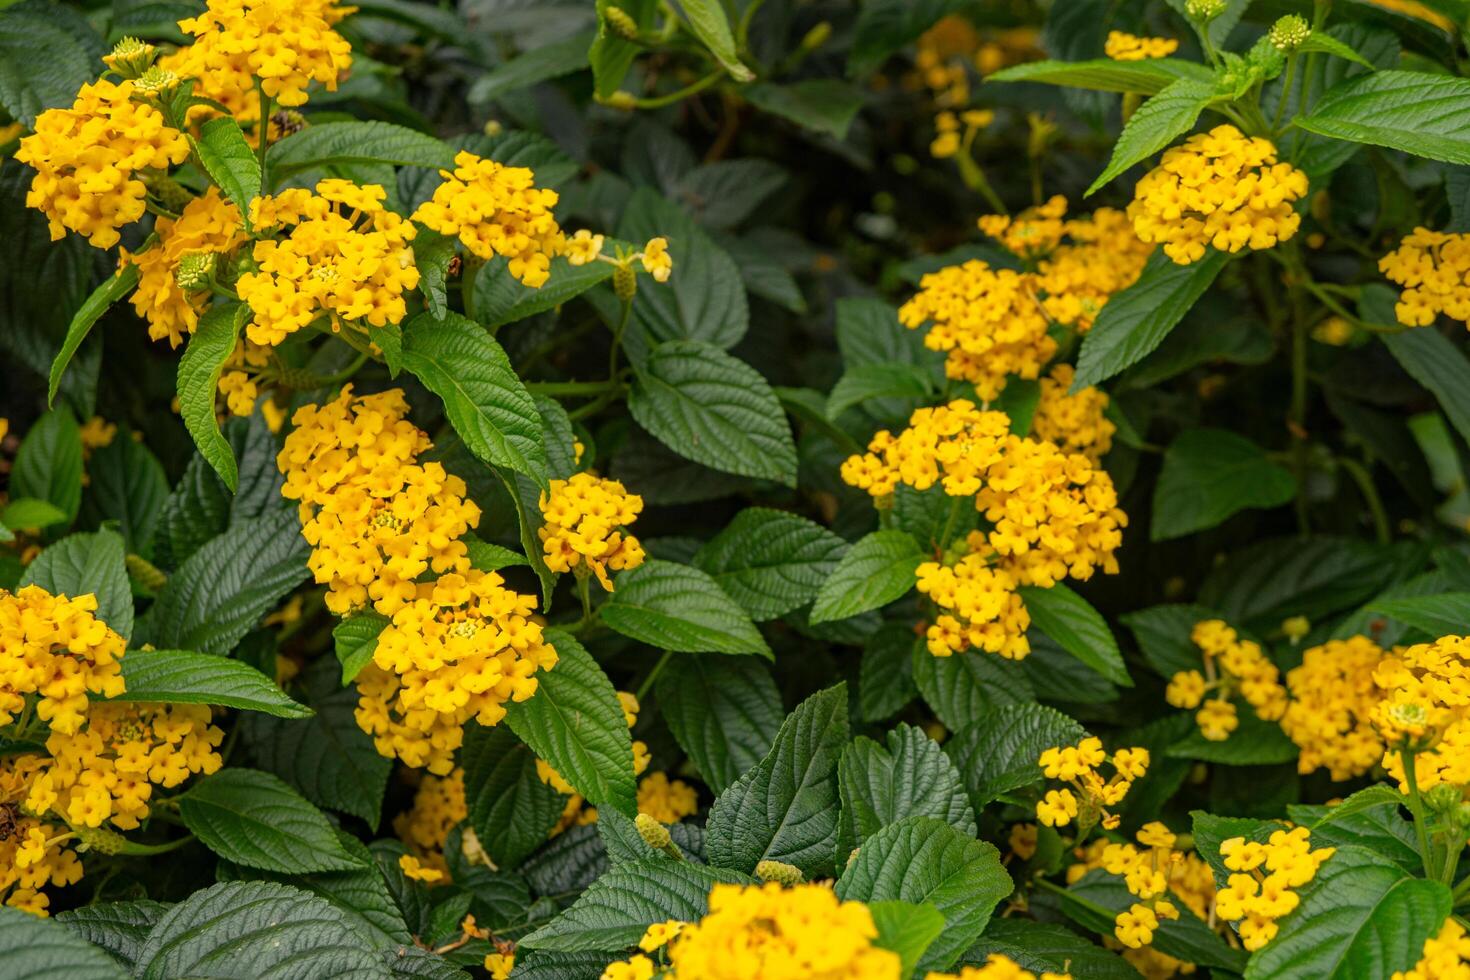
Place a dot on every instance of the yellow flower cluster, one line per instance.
(981, 605)
(460, 650)
(1078, 766)
(1074, 423)
(416, 870)
(352, 440)
(497, 210)
(1147, 874)
(287, 44)
(208, 225)
(55, 649)
(1446, 956)
(237, 382)
(585, 525)
(1033, 233)
(1256, 898)
(106, 772)
(87, 160)
(438, 805)
(344, 254)
(1330, 716)
(1232, 666)
(666, 800)
(1424, 710)
(1434, 269)
(997, 966)
(1121, 46)
(1098, 256)
(955, 134)
(1219, 189)
(34, 853)
(766, 932)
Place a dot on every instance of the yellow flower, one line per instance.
(1186, 689)
(1446, 956)
(586, 517)
(208, 224)
(1434, 269)
(1260, 889)
(1075, 423)
(666, 800)
(54, 649)
(583, 247)
(1089, 792)
(286, 44)
(418, 872)
(659, 934)
(34, 852)
(657, 261)
(638, 967)
(500, 965)
(438, 806)
(1333, 696)
(1121, 46)
(997, 966)
(1023, 840)
(1216, 720)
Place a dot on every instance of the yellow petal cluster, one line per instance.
(585, 526)
(363, 440)
(237, 382)
(1146, 872)
(1087, 794)
(1446, 956)
(460, 650)
(34, 852)
(208, 224)
(287, 44)
(1122, 46)
(439, 804)
(1219, 189)
(1434, 269)
(1033, 233)
(497, 210)
(997, 966)
(106, 771)
(1075, 423)
(1425, 709)
(1231, 666)
(666, 800)
(55, 650)
(981, 607)
(1260, 890)
(1330, 716)
(1098, 256)
(88, 158)
(342, 253)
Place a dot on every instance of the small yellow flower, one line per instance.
(412, 867)
(657, 261)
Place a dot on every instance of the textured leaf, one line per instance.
(1211, 474)
(1095, 900)
(886, 673)
(997, 754)
(1162, 634)
(1381, 829)
(127, 485)
(910, 776)
(924, 860)
(485, 401)
(716, 410)
(31, 84)
(1105, 74)
(432, 253)
(256, 929)
(355, 640)
(120, 928)
(722, 711)
(875, 571)
(1446, 614)
(864, 382)
(1069, 620)
(88, 564)
(785, 809)
(186, 677)
(708, 22)
(340, 143)
(614, 913)
(968, 686)
(204, 359)
(825, 105)
(532, 67)
(1412, 111)
(112, 289)
(225, 587)
(230, 161)
(1045, 946)
(1254, 743)
(576, 724)
(724, 193)
(33, 948)
(511, 809)
(500, 298)
(255, 819)
(907, 929)
(1156, 124)
(1137, 320)
(676, 607)
(48, 465)
(770, 561)
(1437, 364)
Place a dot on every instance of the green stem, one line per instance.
(742, 33)
(975, 179)
(1416, 807)
(328, 380)
(694, 88)
(1460, 890)
(1088, 904)
(617, 339)
(573, 389)
(954, 512)
(1364, 480)
(647, 684)
(144, 849)
(263, 131)
(1286, 85)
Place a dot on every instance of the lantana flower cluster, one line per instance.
(1219, 189)
(54, 651)
(1122, 46)
(1433, 267)
(1446, 956)
(1088, 794)
(1330, 714)
(1425, 712)
(208, 225)
(1232, 666)
(1260, 889)
(1147, 873)
(584, 527)
(439, 805)
(35, 852)
(1075, 423)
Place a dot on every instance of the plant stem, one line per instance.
(647, 684)
(1286, 85)
(145, 849)
(976, 180)
(1416, 806)
(694, 88)
(584, 591)
(954, 512)
(573, 388)
(1364, 480)
(617, 339)
(262, 131)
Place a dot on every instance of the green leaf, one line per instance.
(511, 809)
(28, 513)
(186, 677)
(1381, 829)
(874, 572)
(1137, 320)
(225, 587)
(1446, 614)
(862, 382)
(255, 819)
(88, 564)
(1364, 799)
(127, 485)
(1412, 111)
(924, 860)
(907, 929)
(770, 561)
(256, 929)
(612, 54)
(1324, 43)
(886, 673)
(113, 288)
(500, 298)
(722, 711)
(120, 928)
(708, 22)
(997, 754)
(1048, 947)
(355, 640)
(230, 161)
(432, 253)
(713, 409)
(48, 465)
(1439, 365)
(1163, 636)
(1069, 620)
(1254, 743)
(965, 687)
(1362, 915)
(1095, 900)
(199, 369)
(349, 143)
(722, 194)
(532, 67)
(485, 401)
(615, 912)
(785, 808)
(576, 724)
(825, 105)
(881, 785)
(1105, 74)
(676, 607)
(1156, 124)
(885, 26)
(40, 949)
(1210, 475)
(30, 84)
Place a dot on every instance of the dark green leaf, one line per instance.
(532, 67)
(230, 161)
(874, 572)
(185, 677)
(1069, 620)
(199, 369)
(88, 564)
(881, 785)
(113, 288)
(825, 105)
(770, 561)
(997, 754)
(722, 711)
(348, 143)
(676, 607)
(1412, 111)
(121, 928)
(511, 809)
(1437, 364)
(1210, 475)
(965, 687)
(48, 465)
(127, 485)
(34, 948)
(355, 640)
(1156, 124)
(907, 929)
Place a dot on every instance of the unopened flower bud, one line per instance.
(779, 872)
(145, 573)
(620, 23)
(654, 834)
(1444, 799)
(817, 36)
(1205, 10)
(625, 282)
(286, 122)
(619, 100)
(156, 81)
(131, 57)
(100, 840)
(196, 270)
(1289, 33)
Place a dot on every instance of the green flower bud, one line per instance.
(100, 840)
(196, 270)
(654, 834)
(620, 23)
(778, 871)
(625, 282)
(817, 36)
(1205, 10)
(156, 82)
(145, 573)
(1289, 33)
(131, 57)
